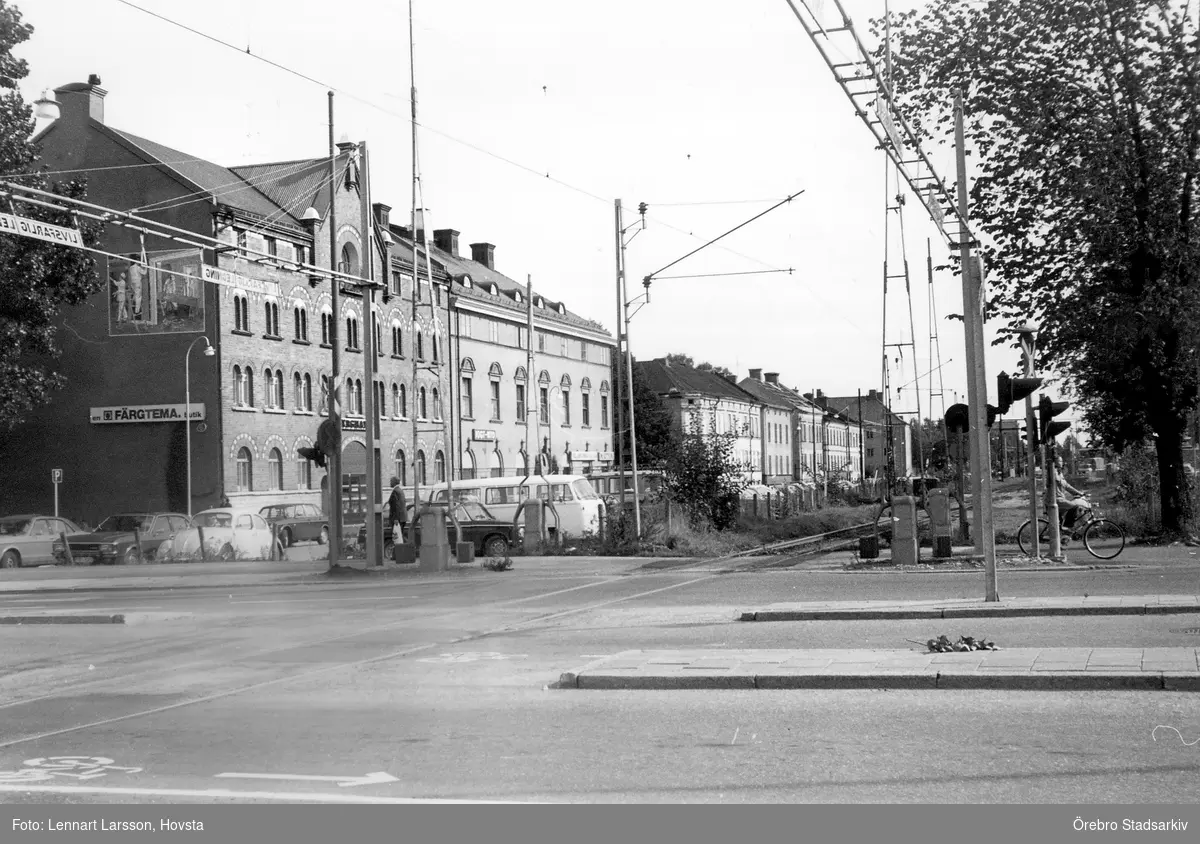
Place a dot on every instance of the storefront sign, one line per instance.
(483, 435)
(350, 424)
(605, 457)
(145, 413)
(228, 279)
(38, 230)
(583, 456)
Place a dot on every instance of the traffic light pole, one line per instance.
(1052, 502)
(1027, 352)
(985, 539)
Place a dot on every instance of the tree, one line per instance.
(727, 374)
(681, 359)
(1084, 121)
(933, 445)
(656, 437)
(36, 278)
(703, 477)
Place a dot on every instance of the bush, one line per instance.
(703, 477)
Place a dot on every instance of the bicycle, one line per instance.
(1103, 538)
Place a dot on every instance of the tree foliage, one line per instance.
(656, 437)
(703, 366)
(1082, 119)
(704, 477)
(36, 278)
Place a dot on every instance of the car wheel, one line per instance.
(285, 538)
(495, 546)
(323, 539)
(226, 554)
(10, 560)
(131, 557)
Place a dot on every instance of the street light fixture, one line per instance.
(209, 352)
(46, 107)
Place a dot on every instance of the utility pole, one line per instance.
(334, 473)
(972, 283)
(370, 411)
(1028, 338)
(623, 336)
(619, 389)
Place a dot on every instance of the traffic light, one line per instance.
(1010, 390)
(958, 417)
(642, 207)
(1025, 432)
(992, 413)
(329, 439)
(1047, 410)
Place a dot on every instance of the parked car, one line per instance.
(29, 540)
(297, 523)
(230, 533)
(124, 538)
(492, 537)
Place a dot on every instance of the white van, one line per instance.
(576, 502)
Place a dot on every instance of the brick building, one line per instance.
(263, 394)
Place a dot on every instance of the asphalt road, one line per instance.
(442, 684)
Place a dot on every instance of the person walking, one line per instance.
(397, 511)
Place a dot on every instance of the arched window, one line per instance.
(307, 392)
(326, 328)
(437, 404)
(275, 469)
(397, 340)
(248, 387)
(402, 401)
(401, 470)
(352, 333)
(420, 346)
(358, 397)
(325, 395)
(298, 391)
(422, 406)
(300, 317)
(436, 349)
(421, 479)
(245, 470)
(468, 465)
(349, 260)
(378, 334)
(497, 464)
(381, 399)
(439, 466)
(237, 386)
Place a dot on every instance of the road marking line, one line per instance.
(373, 778)
(289, 796)
(328, 600)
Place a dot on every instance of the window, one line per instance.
(436, 346)
(324, 408)
(356, 397)
(439, 466)
(467, 398)
(352, 334)
(397, 284)
(349, 260)
(241, 313)
(397, 340)
(603, 411)
(400, 395)
(520, 402)
(437, 294)
(243, 385)
(271, 313)
(303, 473)
(544, 406)
(422, 406)
(275, 469)
(300, 318)
(245, 470)
(497, 464)
(541, 342)
(495, 401)
(401, 471)
(381, 399)
(378, 334)
(271, 246)
(437, 404)
(273, 394)
(420, 346)
(566, 400)
(493, 331)
(582, 350)
(306, 403)
(421, 478)
(585, 409)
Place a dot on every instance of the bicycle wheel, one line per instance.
(1104, 539)
(1025, 540)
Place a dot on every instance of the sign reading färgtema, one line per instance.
(10, 224)
(145, 413)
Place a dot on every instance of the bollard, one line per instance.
(904, 530)
(435, 544)
(535, 525)
(938, 505)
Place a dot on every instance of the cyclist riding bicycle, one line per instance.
(1071, 503)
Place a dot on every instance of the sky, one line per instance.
(535, 117)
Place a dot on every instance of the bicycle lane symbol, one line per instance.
(46, 768)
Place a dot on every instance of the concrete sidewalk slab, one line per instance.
(1145, 669)
(975, 608)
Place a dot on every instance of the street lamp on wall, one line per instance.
(209, 352)
(46, 107)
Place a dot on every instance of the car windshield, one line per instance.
(13, 527)
(213, 520)
(472, 511)
(583, 490)
(123, 524)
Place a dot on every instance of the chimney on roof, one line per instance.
(773, 378)
(756, 374)
(81, 100)
(446, 240)
(873, 394)
(484, 253)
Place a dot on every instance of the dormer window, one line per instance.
(562, 309)
(494, 290)
(539, 302)
(516, 295)
(466, 281)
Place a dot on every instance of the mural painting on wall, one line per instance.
(156, 293)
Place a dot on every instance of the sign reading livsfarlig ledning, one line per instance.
(145, 413)
(12, 224)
